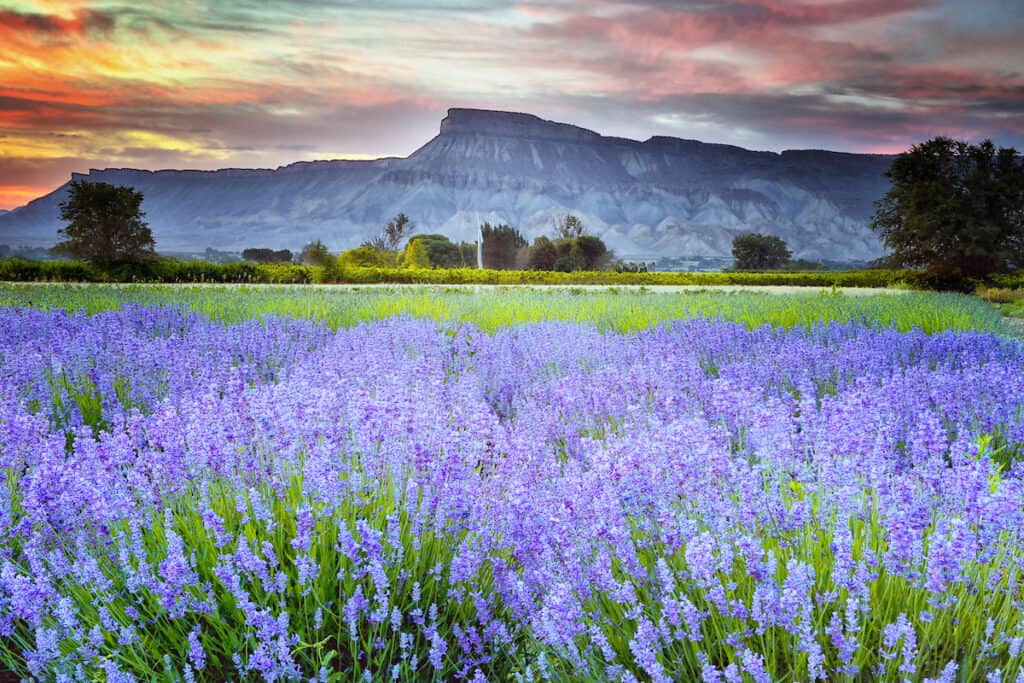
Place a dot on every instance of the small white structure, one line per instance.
(480, 247)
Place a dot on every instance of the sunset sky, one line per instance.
(259, 84)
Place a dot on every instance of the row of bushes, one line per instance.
(171, 271)
(159, 270)
(847, 278)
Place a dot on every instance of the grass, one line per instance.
(608, 308)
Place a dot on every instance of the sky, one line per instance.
(254, 83)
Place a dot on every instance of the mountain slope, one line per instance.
(663, 197)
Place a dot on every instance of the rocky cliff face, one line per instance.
(661, 198)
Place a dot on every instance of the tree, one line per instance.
(542, 254)
(954, 208)
(501, 246)
(567, 254)
(594, 252)
(105, 224)
(416, 255)
(569, 227)
(570, 256)
(395, 232)
(364, 257)
(633, 267)
(467, 255)
(441, 251)
(805, 264)
(211, 255)
(264, 255)
(315, 253)
(754, 251)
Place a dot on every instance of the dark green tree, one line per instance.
(467, 254)
(632, 267)
(586, 252)
(501, 246)
(595, 253)
(954, 208)
(543, 254)
(754, 251)
(315, 253)
(443, 253)
(570, 256)
(264, 255)
(105, 224)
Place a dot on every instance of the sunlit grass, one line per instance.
(608, 308)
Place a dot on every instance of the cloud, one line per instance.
(265, 83)
(82, 22)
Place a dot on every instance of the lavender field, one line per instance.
(618, 487)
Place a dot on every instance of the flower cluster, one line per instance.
(407, 500)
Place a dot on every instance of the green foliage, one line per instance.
(390, 240)
(804, 264)
(950, 633)
(262, 255)
(315, 253)
(104, 224)
(441, 252)
(467, 255)
(157, 270)
(593, 252)
(543, 254)
(569, 255)
(421, 562)
(955, 208)
(21, 270)
(365, 266)
(416, 255)
(630, 267)
(754, 251)
(502, 244)
(1000, 295)
(365, 257)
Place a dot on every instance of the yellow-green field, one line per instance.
(490, 308)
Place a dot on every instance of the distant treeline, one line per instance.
(172, 271)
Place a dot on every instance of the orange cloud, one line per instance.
(50, 26)
(18, 195)
(209, 84)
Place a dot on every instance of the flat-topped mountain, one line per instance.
(661, 198)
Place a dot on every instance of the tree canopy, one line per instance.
(568, 254)
(754, 251)
(105, 224)
(391, 238)
(417, 255)
(543, 254)
(954, 208)
(264, 255)
(315, 253)
(501, 246)
(364, 257)
(441, 251)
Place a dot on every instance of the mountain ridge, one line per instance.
(662, 197)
